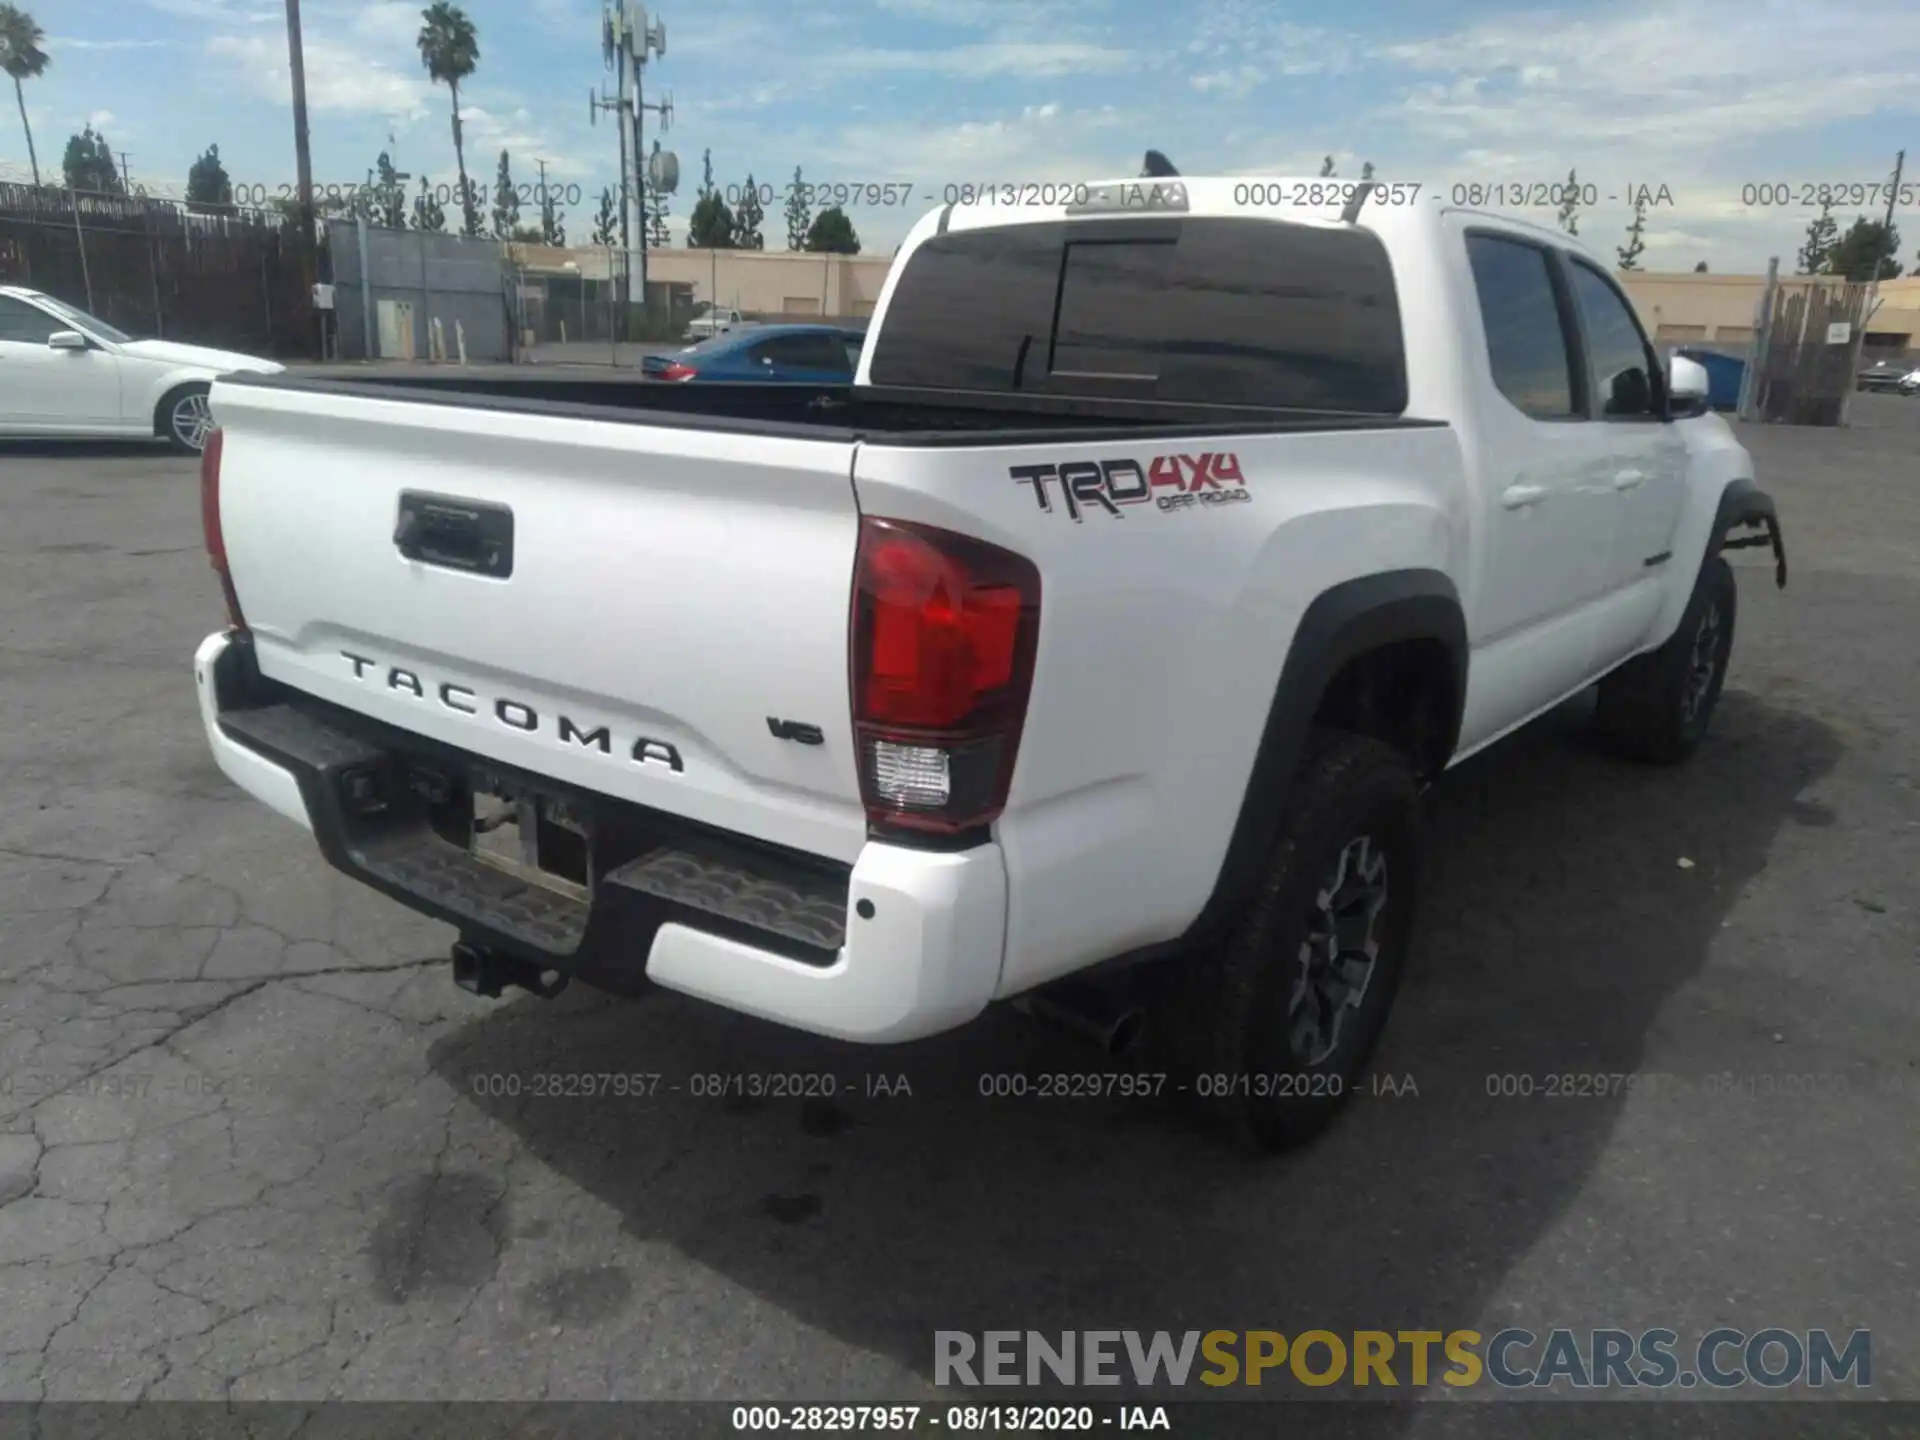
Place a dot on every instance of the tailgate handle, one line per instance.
(455, 534)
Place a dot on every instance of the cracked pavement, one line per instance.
(254, 1144)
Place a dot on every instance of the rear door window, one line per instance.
(1528, 344)
(1219, 310)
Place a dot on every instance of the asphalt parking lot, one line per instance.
(254, 1144)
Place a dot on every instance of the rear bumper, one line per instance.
(904, 943)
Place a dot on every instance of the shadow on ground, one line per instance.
(1557, 924)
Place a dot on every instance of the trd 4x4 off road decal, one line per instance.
(1169, 482)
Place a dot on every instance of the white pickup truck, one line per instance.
(1092, 648)
(713, 321)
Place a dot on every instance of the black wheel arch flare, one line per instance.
(1744, 504)
(1342, 623)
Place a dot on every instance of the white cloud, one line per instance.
(391, 24)
(66, 42)
(1035, 40)
(340, 77)
(1675, 239)
(1693, 95)
(1229, 82)
(1250, 35)
(969, 13)
(565, 17)
(1033, 59)
(723, 36)
(195, 9)
(488, 134)
(100, 119)
(1632, 77)
(1040, 143)
(1033, 16)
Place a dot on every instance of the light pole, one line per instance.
(302, 157)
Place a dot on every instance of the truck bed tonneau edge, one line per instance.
(889, 414)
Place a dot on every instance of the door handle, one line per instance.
(1515, 497)
(1629, 479)
(455, 534)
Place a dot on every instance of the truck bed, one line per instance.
(880, 414)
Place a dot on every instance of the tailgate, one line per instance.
(671, 591)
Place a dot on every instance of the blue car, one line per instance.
(795, 354)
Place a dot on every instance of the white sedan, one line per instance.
(66, 375)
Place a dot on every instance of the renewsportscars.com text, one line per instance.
(1513, 1358)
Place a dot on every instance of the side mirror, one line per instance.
(66, 340)
(1687, 388)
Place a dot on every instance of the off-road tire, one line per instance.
(1225, 1033)
(1657, 707)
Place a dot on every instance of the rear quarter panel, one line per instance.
(1162, 636)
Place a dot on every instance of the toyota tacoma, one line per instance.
(1090, 649)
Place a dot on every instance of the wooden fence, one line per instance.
(158, 269)
(1806, 368)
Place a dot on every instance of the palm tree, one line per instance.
(23, 59)
(450, 49)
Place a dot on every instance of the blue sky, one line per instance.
(1701, 96)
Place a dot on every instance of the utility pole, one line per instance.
(1893, 190)
(302, 156)
(126, 175)
(1856, 351)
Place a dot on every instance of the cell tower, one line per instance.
(627, 39)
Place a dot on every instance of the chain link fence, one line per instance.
(163, 269)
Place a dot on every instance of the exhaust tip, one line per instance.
(1113, 1031)
(1126, 1033)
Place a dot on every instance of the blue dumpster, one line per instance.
(1723, 375)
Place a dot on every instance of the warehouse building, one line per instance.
(1718, 311)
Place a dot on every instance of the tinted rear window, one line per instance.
(1527, 343)
(1201, 310)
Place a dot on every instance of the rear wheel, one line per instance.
(1656, 708)
(184, 417)
(1271, 1034)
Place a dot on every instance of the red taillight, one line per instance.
(944, 633)
(674, 370)
(210, 524)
